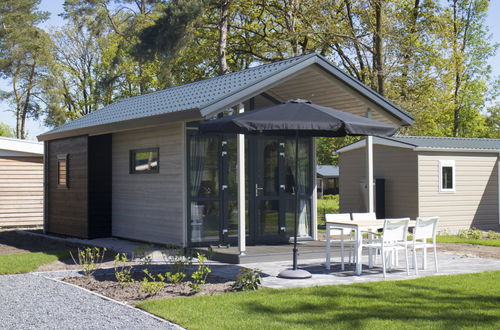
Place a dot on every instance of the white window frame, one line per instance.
(446, 163)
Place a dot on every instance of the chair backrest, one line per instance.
(425, 228)
(395, 229)
(333, 217)
(364, 216)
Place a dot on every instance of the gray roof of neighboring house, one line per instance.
(211, 95)
(433, 142)
(327, 170)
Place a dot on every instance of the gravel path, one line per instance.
(31, 301)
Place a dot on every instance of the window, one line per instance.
(447, 176)
(62, 171)
(145, 161)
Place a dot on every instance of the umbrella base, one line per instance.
(294, 274)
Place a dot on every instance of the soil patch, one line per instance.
(133, 293)
(470, 250)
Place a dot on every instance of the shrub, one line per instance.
(123, 273)
(247, 279)
(493, 235)
(175, 278)
(88, 259)
(200, 275)
(152, 284)
(471, 233)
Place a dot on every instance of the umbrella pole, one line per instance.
(295, 273)
(297, 200)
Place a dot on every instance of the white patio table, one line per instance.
(358, 227)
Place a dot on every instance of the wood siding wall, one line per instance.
(149, 207)
(21, 191)
(67, 207)
(399, 169)
(475, 200)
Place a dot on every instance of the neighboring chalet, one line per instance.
(327, 180)
(21, 182)
(139, 168)
(453, 178)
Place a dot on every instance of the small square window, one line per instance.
(447, 176)
(62, 171)
(145, 161)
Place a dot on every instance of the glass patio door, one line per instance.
(275, 184)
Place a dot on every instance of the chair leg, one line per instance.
(396, 257)
(407, 262)
(383, 261)
(415, 265)
(342, 249)
(435, 258)
(424, 267)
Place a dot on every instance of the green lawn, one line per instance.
(27, 262)
(456, 239)
(439, 302)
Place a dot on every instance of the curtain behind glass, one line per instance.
(302, 179)
(198, 147)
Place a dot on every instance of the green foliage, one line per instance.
(471, 233)
(123, 272)
(89, 259)
(456, 301)
(493, 235)
(329, 204)
(28, 262)
(247, 279)
(200, 275)
(6, 130)
(25, 54)
(152, 284)
(175, 278)
(461, 240)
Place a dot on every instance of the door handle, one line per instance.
(257, 190)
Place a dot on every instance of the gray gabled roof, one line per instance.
(432, 143)
(211, 95)
(327, 170)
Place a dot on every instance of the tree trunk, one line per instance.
(290, 20)
(456, 92)
(223, 29)
(408, 49)
(378, 62)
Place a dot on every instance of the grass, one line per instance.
(477, 241)
(329, 204)
(439, 302)
(27, 262)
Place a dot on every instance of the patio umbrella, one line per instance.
(297, 118)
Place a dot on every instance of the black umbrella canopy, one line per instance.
(300, 116)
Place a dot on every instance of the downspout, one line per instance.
(240, 140)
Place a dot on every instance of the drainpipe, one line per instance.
(240, 145)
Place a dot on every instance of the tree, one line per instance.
(6, 130)
(24, 58)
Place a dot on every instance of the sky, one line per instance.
(55, 7)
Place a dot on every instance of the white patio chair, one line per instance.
(368, 216)
(425, 229)
(333, 217)
(393, 238)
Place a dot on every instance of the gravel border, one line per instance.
(34, 301)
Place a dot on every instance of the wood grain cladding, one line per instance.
(328, 91)
(399, 169)
(21, 191)
(475, 200)
(67, 207)
(149, 207)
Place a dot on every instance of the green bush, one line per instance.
(247, 279)
(89, 259)
(152, 284)
(329, 204)
(123, 272)
(493, 235)
(471, 233)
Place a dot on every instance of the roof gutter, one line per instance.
(193, 114)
